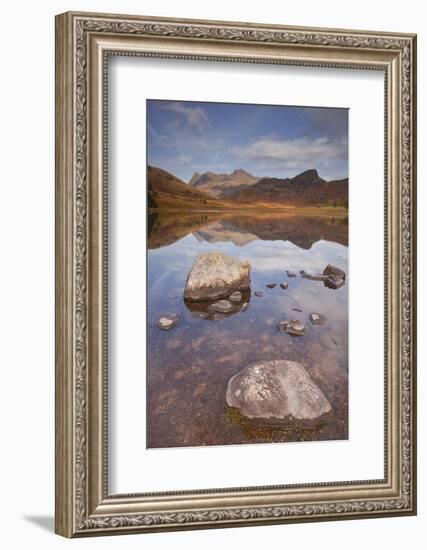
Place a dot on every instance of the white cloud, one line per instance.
(295, 152)
(161, 139)
(194, 116)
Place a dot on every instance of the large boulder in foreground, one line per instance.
(216, 275)
(276, 389)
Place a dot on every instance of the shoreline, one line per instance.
(259, 210)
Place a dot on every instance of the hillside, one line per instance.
(305, 189)
(168, 191)
(222, 185)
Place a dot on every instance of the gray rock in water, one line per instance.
(284, 285)
(334, 282)
(294, 327)
(236, 297)
(335, 271)
(245, 306)
(291, 274)
(335, 277)
(332, 277)
(276, 389)
(223, 306)
(216, 275)
(271, 285)
(317, 318)
(167, 321)
(297, 309)
(258, 293)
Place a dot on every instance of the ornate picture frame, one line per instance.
(84, 42)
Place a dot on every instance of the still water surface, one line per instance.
(189, 366)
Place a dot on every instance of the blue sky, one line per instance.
(279, 141)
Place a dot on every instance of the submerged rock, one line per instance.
(297, 309)
(236, 297)
(245, 306)
(223, 306)
(291, 274)
(276, 389)
(258, 293)
(271, 285)
(294, 327)
(317, 318)
(218, 317)
(207, 310)
(167, 321)
(311, 277)
(284, 285)
(216, 275)
(199, 314)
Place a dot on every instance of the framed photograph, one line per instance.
(235, 274)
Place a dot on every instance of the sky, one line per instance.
(184, 137)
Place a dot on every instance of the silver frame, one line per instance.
(83, 43)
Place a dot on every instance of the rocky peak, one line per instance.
(307, 176)
(240, 172)
(194, 178)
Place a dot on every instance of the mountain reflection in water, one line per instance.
(189, 366)
(302, 231)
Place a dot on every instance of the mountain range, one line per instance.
(306, 188)
(222, 185)
(225, 190)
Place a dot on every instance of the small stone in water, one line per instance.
(271, 285)
(317, 318)
(290, 274)
(297, 309)
(284, 285)
(168, 321)
(245, 306)
(336, 277)
(293, 327)
(259, 293)
(236, 297)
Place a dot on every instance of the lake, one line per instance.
(189, 366)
